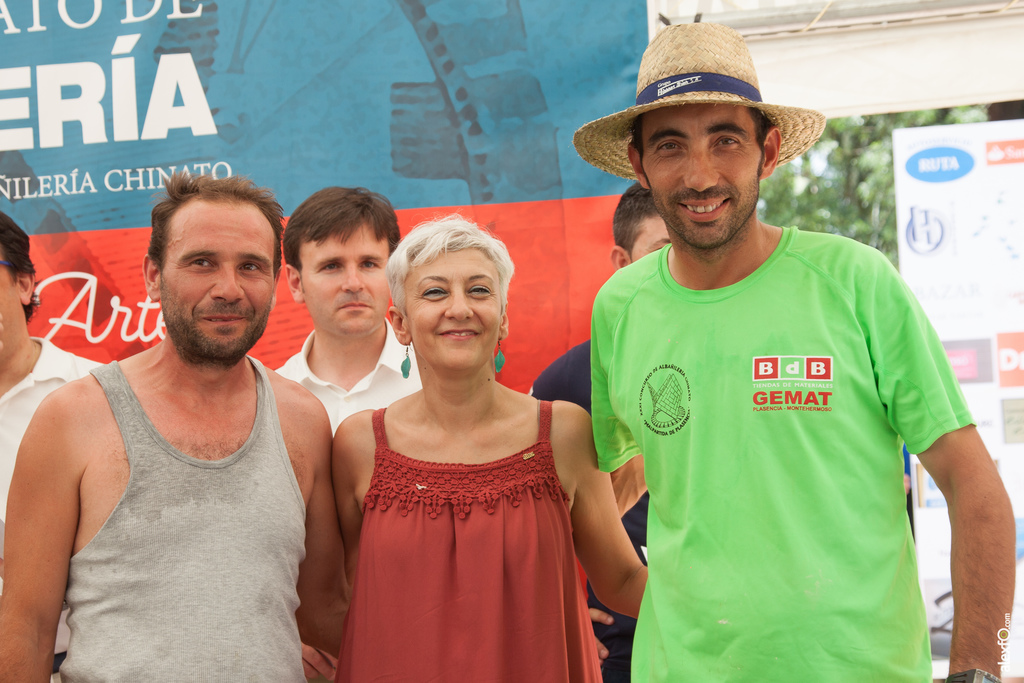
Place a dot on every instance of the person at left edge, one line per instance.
(30, 368)
(182, 496)
(336, 246)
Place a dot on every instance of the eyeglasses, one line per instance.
(8, 263)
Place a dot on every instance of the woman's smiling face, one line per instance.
(454, 315)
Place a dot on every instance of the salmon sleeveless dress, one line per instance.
(467, 572)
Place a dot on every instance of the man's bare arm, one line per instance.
(322, 587)
(983, 546)
(42, 520)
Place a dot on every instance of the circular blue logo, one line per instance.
(940, 164)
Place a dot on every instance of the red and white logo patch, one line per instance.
(810, 368)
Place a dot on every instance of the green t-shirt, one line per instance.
(768, 413)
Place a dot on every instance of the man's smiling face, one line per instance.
(703, 165)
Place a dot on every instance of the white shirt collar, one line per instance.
(53, 363)
(391, 357)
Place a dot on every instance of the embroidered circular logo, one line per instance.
(665, 400)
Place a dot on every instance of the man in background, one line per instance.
(336, 246)
(638, 230)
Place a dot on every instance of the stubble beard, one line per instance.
(198, 349)
(358, 326)
(707, 240)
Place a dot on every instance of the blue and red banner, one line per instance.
(441, 105)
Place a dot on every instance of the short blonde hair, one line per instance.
(430, 240)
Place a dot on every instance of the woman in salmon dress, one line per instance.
(465, 505)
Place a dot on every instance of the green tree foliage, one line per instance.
(844, 184)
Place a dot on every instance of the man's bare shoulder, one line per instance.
(296, 403)
(72, 430)
(81, 401)
(284, 387)
(305, 428)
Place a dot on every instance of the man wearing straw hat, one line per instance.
(766, 375)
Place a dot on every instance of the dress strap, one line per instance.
(544, 432)
(378, 428)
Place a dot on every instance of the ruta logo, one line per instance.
(1011, 359)
(1004, 152)
(940, 164)
(815, 368)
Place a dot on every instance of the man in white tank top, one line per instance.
(169, 494)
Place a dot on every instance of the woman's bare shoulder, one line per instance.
(356, 430)
(569, 421)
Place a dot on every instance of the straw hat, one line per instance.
(694, 63)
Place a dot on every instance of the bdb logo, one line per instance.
(815, 368)
(1011, 359)
(926, 230)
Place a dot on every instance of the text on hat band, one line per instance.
(697, 82)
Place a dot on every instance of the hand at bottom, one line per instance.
(318, 663)
(600, 617)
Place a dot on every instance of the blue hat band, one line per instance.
(697, 82)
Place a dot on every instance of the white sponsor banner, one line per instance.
(960, 213)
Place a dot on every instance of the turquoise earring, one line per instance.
(499, 359)
(406, 364)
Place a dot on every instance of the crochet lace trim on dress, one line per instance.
(397, 479)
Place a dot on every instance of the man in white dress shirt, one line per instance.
(336, 245)
(30, 368)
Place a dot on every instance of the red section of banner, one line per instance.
(94, 301)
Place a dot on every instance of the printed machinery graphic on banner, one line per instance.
(459, 104)
(961, 245)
